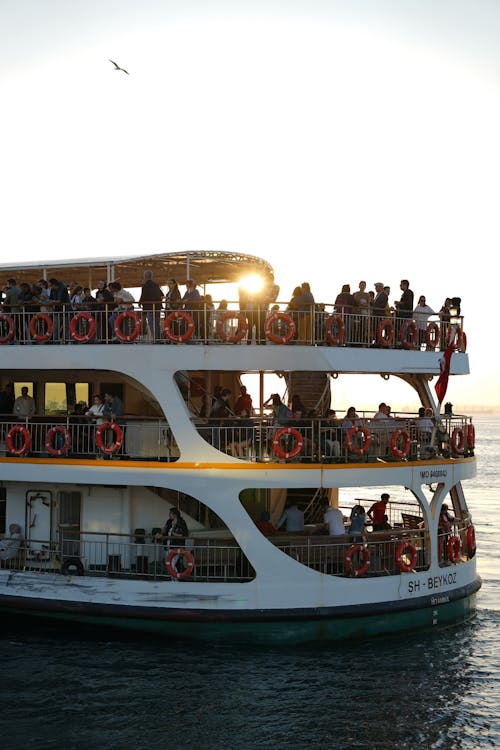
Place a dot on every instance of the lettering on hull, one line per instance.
(432, 583)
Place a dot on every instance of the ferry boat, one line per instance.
(84, 499)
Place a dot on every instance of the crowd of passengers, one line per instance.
(361, 310)
(324, 436)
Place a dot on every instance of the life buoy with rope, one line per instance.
(241, 331)
(18, 429)
(406, 556)
(359, 450)
(385, 332)
(118, 435)
(72, 566)
(176, 315)
(365, 560)
(49, 440)
(274, 318)
(463, 344)
(454, 548)
(457, 341)
(409, 329)
(471, 436)
(432, 336)
(188, 563)
(128, 315)
(74, 327)
(339, 323)
(49, 327)
(470, 539)
(396, 436)
(293, 433)
(7, 320)
(457, 441)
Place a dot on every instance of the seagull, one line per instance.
(117, 67)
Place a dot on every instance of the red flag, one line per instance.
(442, 381)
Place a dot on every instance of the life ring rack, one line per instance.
(49, 327)
(292, 432)
(470, 539)
(454, 548)
(127, 315)
(457, 441)
(432, 336)
(82, 338)
(189, 563)
(365, 560)
(241, 331)
(118, 433)
(9, 442)
(409, 329)
(179, 315)
(358, 450)
(471, 436)
(385, 333)
(406, 556)
(11, 328)
(274, 318)
(400, 452)
(339, 338)
(49, 443)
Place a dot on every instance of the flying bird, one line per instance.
(117, 67)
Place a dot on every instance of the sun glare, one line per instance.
(252, 283)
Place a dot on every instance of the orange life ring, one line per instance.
(75, 333)
(58, 430)
(471, 436)
(405, 550)
(454, 548)
(273, 318)
(367, 439)
(34, 330)
(365, 560)
(339, 338)
(128, 315)
(118, 432)
(432, 336)
(470, 539)
(457, 342)
(457, 441)
(385, 332)
(189, 562)
(400, 452)
(409, 328)
(10, 440)
(176, 315)
(11, 328)
(463, 345)
(242, 327)
(299, 442)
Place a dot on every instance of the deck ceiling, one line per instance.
(204, 266)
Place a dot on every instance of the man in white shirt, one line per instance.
(334, 520)
(24, 405)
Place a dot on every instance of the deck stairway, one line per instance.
(312, 387)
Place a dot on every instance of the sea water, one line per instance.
(441, 689)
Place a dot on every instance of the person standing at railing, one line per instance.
(421, 315)
(304, 304)
(10, 304)
(362, 309)
(59, 298)
(344, 306)
(445, 525)
(192, 303)
(24, 405)
(357, 525)
(151, 300)
(173, 534)
(96, 411)
(379, 304)
(124, 303)
(403, 306)
(378, 511)
(104, 303)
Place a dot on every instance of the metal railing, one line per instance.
(319, 326)
(392, 552)
(256, 439)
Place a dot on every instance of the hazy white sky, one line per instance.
(339, 140)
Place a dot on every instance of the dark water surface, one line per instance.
(79, 690)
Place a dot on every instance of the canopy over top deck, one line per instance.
(203, 266)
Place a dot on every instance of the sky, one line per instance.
(339, 139)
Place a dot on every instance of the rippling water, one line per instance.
(428, 690)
